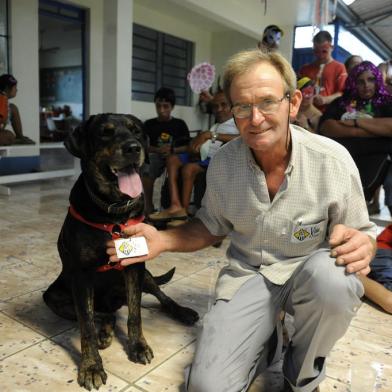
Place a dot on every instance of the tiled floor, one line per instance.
(40, 352)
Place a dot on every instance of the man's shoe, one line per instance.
(176, 222)
(166, 215)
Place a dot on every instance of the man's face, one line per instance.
(323, 52)
(366, 85)
(163, 109)
(307, 96)
(221, 108)
(12, 91)
(263, 132)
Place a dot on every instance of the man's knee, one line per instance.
(332, 288)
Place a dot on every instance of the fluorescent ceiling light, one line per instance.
(348, 2)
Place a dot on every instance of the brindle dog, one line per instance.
(106, 195)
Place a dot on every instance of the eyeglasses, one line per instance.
(267, 106)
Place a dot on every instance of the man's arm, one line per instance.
(190, 237)
(321, 100)
(381, 126)
(338, 128)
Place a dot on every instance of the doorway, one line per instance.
(62, 69)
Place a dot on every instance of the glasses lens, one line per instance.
(242, 111)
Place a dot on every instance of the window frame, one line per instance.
(160, 60)
(6, 37)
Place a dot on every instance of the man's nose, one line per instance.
(257, 117)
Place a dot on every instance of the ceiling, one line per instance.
(372, 21)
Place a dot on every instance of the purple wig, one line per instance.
(381, 95)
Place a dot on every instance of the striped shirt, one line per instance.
(321, 188)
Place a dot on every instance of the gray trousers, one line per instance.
(235, 336)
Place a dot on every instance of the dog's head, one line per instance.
(112, 150)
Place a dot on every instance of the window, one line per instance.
(160, 60)
(4, 36)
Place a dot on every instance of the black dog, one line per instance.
(106, 197)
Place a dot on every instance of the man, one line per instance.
(166, 135)
(328, 74)
(204, 145)
(281, 193)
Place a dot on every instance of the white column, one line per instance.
(24, 63)
(117, 56)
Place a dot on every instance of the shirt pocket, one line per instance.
(305, 237)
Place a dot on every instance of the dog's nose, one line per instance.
(131, 148)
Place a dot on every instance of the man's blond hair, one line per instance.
(242, 62)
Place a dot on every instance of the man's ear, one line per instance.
(295, 102)
(76, 141)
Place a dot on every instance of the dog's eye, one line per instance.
(108, 131)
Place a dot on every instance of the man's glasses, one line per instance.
(267, 106)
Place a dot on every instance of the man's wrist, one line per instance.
(214, 135)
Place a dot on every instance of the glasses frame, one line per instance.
(264, 113)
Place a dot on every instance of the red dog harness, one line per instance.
(115, 230)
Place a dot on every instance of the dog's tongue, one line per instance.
(130, 184)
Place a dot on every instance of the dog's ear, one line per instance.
(76, 141)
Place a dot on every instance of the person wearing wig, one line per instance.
(361, 120)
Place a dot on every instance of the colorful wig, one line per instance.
(350, 94)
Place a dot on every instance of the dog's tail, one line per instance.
(163, 279)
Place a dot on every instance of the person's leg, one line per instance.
(378, 284)
(173, 164)
(6, 137)
(16, 121)
(323, 300)
(17, 126)
(152, 171)
(377, 293)
(232, 342)
(189, 173)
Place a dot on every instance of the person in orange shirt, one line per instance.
(328, 74)
(9, 113)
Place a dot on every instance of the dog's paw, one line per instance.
(91, 375)
(186, 315)
(140, 352)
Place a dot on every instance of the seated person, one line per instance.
(386, 71)
(308, 115)
(9, 113)
(165, 134)
(361, 119)
(203, 145)
(378, 284)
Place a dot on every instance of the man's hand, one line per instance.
(199, 140)
(154, 244)
(352, 248)
(319, 100)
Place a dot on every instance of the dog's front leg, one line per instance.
(91, 373)
(138, 349)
